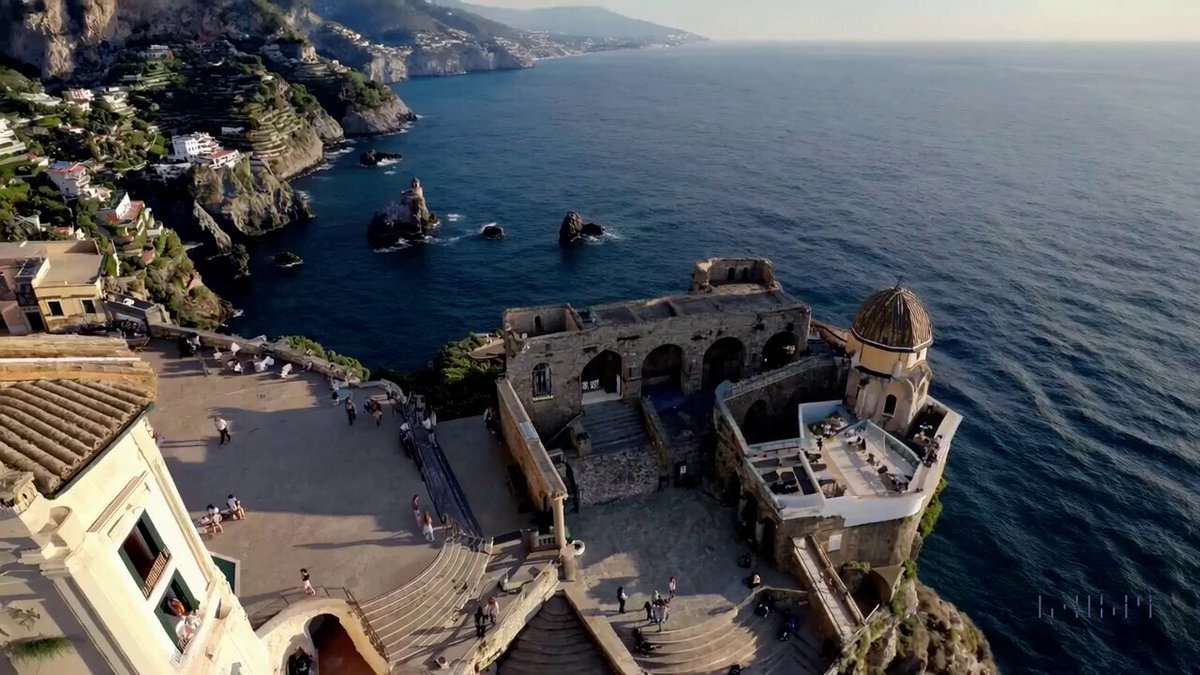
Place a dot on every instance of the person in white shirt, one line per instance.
(223, 429)
(235, 508)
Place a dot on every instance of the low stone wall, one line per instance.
(655, 430)
(602, 632)
(617, 475)
(289, 630)
(517, 613)
(280, 350)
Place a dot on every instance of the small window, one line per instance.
(144, 554)
(835, 542)
(542, 386)
(55, 308)
(89, 307)
(889, 405)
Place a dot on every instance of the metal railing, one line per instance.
(156, 572)
(376, 642)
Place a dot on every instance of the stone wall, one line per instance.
(817, 377)
(611, 476)
(517, 613)
(280, 351)
(289, 630)
(526, 448)
(569, 352)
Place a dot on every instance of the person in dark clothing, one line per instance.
(621, 598)
(351, 411)
(480, 622)
(649, 611)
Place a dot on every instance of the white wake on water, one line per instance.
(399, 246)
(454, 217)
(389, 173)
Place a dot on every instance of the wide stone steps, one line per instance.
(614, 425)
(411, 619)
(737, 636)
(554, 642)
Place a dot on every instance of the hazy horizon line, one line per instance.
(1079, 41)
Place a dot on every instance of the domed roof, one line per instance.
(894, 319)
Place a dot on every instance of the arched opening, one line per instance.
(724, 360)
(780, 350)
(747, 516)
(731, 275)
(601, 378)
(543, 386)
(756, 424)
(336, 652)
(745, 274)
(889, 405)
(766, 543)
(662, 371)
(537, 324)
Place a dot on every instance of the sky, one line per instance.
(925, 20)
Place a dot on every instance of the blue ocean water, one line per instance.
(1044, 201)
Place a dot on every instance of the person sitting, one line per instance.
(235, 511)
(286, 371)
(753, 581)
(643, 646)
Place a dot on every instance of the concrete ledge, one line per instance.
(602, 632)
(516, 615)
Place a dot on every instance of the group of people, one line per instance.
(486, 615)
(658, 608)
(210, 523)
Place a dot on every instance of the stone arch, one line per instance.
(334, 646)
(663, 367)
(724, 359)
(781, 349)
(756, 422)
(600, 379)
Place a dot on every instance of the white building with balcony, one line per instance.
(71, 178)
(80, 98)
(11, 147)
(100, 557)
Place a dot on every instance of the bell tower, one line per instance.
(889, 341)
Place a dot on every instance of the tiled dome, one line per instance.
(894, 319)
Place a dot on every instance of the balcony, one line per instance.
(155, 573)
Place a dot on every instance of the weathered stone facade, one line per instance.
(734, 316)
(608, 477)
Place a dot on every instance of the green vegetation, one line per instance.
(910, 569)
(39, 649)
(932, 511)
(352, 365)
(454, 384)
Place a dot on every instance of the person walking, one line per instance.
(480, 622)
(416, 509)
(671, 588)
(621, 598)
(377, 411)
(351, 411)
(493, 610)
(305, 582)
(427, 526)
(649, 612)
(223, 429)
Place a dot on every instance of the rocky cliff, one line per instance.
(464, 57)
(59, 36)
(246, 202)
(921, 635)
(389, 116)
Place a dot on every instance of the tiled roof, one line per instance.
(63, 400)
(893, 318)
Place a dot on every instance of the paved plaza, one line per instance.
(480, 462)
(319, 493)
(640, 543)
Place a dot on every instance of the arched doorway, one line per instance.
(724, 360)
(756, 424)
(780, 350)
(601, 378)
(662, 369)
(336, 652)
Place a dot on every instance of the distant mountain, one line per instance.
(400, 21)
(577, 21)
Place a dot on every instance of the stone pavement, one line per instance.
(480, 462)
(319, 493)
(640, 543)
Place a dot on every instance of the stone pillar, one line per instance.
(566, 551)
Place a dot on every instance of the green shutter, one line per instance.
(137, 579)
(155, 537)
(178, 585)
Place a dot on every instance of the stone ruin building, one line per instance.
(826, 439)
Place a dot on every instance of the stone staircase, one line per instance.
(613, 426)
(735, 637)
(414, 620)
(554, 642)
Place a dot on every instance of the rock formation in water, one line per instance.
(373, 157)
(573, 230)
(406, 220)
(492, 232)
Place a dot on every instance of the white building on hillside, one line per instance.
(71, 178)
(202, 148)
(100, 554)
(80, 98)
(11, 147)
(158, 53)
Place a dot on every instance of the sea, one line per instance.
(1043, 200)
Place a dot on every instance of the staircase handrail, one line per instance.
(372, 636)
